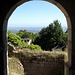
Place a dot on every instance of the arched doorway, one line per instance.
(55, 3)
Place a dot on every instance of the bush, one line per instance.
(34, 47)
(16, 40)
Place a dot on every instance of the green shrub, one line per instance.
(16, 40)
(34, 47)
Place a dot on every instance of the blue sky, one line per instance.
(36, 14)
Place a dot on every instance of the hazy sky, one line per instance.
(36, 14)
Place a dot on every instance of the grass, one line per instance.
(14, 66)
(27, 53)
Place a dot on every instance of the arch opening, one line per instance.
(53, 2)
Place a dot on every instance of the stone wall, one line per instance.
(43, 66)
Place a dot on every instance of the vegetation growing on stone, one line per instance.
(15, 67)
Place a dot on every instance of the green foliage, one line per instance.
(51, 36)
(34, 47)
(65, 37)
(20, 34)
(16, 40)
(25, 34)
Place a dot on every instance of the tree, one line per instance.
(25, 34)
(51, 36)
(20, 34)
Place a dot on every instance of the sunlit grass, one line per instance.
(14, 66)
(27, 53)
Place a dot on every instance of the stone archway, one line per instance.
(68, 22)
